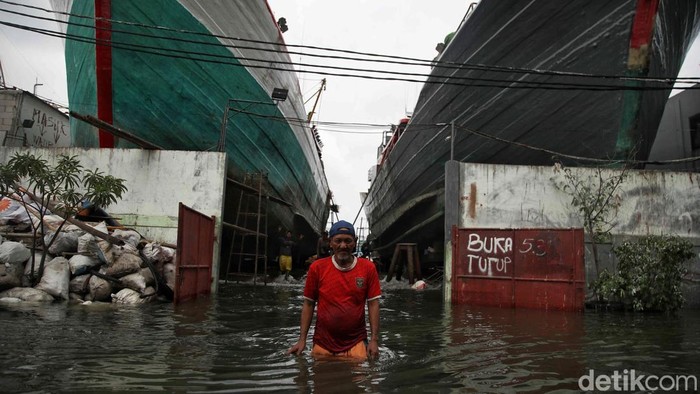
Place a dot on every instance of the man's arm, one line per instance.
(307, 314)
(373, 345)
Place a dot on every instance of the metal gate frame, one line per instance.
(195, 254)
(519, 268)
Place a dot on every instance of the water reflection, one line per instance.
(499, 348)
(237, 342)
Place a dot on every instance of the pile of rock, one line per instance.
(80, 266)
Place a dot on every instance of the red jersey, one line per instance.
(340, 297)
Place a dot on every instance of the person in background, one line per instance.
(341, 285)
(323, 246)
(285, 257)
(365, 249)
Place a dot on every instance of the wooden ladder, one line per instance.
(250, 225)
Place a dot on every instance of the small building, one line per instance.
(28, 121)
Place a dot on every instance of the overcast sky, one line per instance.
(409, 28)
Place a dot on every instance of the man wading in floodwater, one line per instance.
(341, 285)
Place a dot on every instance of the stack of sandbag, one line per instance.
(123, 268)
(13, 258)
(92, 270)
(163, 258)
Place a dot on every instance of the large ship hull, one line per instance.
(160, 93)
(576, 116)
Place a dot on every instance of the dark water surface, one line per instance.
(237, 342)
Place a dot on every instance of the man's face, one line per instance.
(343, 245)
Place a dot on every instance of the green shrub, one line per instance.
(649, 274)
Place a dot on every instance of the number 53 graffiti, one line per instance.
(538, 247)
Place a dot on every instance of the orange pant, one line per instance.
(357, 351)
(285, 263)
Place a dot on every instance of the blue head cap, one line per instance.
(341, 227)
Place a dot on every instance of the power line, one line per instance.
(443, 79)
(418, 127)
(413, 128)
(416, 61)
(581, 158)
(422, 62)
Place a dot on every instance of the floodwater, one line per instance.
(237, 341)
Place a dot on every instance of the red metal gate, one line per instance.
(519, 268)
(195, 254)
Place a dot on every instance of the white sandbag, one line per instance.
(12, 258)
(169, 274)
(134, 281)
(13, 212)
(125, 264)
(13, 252)
(65, 242)
(80, 265)
(105, 252)
(52, 222)
(127, 248)
(28, 294)
(100, 289)
(56, 278)
(149, 295)
(87, 246)
(131, 237)
(155, 252)
(28, 277)
(10, 275)
(37, 261)
(128, 296)
(148, 276)
(80, 284)
(101, 227)
(105, 248)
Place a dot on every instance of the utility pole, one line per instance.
(2, 76)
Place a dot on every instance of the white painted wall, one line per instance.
(506, 196)
(50, 127)
(157, 182)
(651, 202)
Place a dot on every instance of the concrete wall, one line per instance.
(157, 182)
(502, 196)
(49, 127)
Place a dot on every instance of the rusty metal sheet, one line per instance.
(520, 268)
(195, 254)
